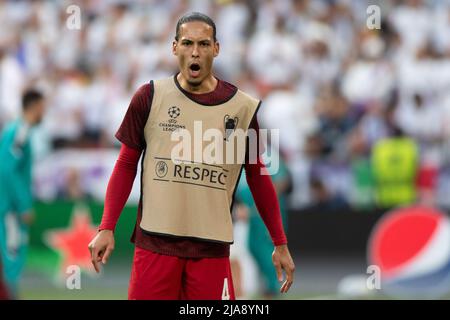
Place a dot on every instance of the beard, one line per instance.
(195, 83)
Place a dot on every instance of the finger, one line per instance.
(100, 255)
(108, 252)
(290, 274)
(91, 248)
(279, 272)
(283, 286)
(289, 278)
(95, 260)
(286, 286)
(96, 266)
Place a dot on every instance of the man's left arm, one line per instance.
(266, 201)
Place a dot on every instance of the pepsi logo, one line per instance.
(411, 246)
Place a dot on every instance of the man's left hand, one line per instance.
(282, 260)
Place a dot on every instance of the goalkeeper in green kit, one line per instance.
(16, 188)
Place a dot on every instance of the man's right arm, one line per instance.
(117, 193)
(119, 186)
(131, 134)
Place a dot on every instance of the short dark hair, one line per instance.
(195, 16)
(29, 97)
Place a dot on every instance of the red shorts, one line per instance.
(161, 277)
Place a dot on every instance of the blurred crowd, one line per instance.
(333, 86)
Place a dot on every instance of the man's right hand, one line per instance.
(101, 248)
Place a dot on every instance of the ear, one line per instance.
(216, 48)
(236, 120)
(174, 47)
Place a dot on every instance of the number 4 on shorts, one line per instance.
(225, 291)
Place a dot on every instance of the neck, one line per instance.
(208, 85)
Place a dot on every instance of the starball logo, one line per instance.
(172, 124)
(174, 112)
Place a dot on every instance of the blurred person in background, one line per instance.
(12, 81)
(421, 118)
(16, 199)
(325, 200)
(395, 164)
(335, 123)
(375, 124)
(72, 188)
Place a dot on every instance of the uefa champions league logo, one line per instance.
(174, 112)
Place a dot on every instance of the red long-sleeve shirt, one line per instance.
(124, 173)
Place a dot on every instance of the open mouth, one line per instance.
(194, 70)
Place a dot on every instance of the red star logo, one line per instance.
(72, 243)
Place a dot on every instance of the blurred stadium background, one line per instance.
(337, 90)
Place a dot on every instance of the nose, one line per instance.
(195, 51)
